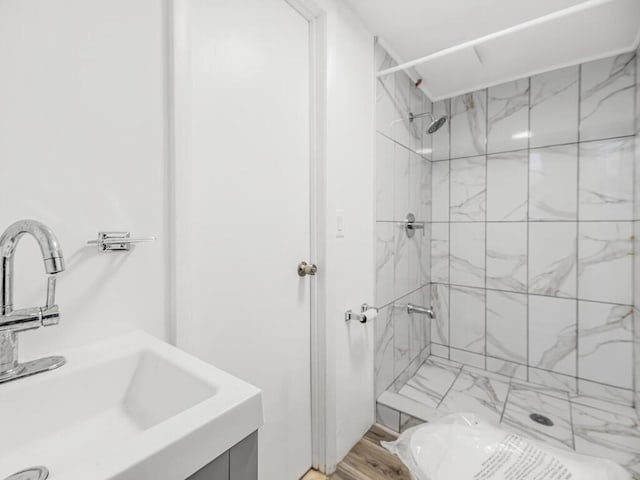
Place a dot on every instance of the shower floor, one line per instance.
(587, 425)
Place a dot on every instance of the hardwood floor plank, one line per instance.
(369, 461)
(378, 433)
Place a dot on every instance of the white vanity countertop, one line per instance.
(130, 407)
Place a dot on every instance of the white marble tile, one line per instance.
(426, 149)
(440, 324)
(384, 352)
(469, 124)
(420, 188)
(409, 406)
(385, 91)
(400, 261)
(400, 182)
(551, 383)
(605, 253)
(467, 312)
(417, 106)
(425, 266)
(476, 392)
(409, 371)
(605, 336)
(440, 252)
(400, 338)
(431, 382)
(554, 107)
(440, 191)
(508, 117)
(606, 180)
(428, 301)
(636, 176)
(467, 257)
(509, 369)
(388, 417)
(554, 388)
(552, 334)
(384, 177)
(522, 403)
(553, 183)
(606, 97)
(468, 189)
(609, 435)
(553, 258)
(602, 396)
(467, 358)
(440, 139)
(407, 422)
(507, 256)
(637, 115)
(385, 247)
(417, 267)
(477, 371)
(608, 404)
(507, 186)
(507, 326)
(440, 351)
(418, 324)
(636, 345)
(403, 129)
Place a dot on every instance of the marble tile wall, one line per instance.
(532, 225)
(403, 153)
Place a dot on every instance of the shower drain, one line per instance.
(33, 473)
(541, 419)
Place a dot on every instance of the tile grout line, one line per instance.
(577, 240)
(528, 227)
(449, 225)
(486, 191)
(506, 400)
(457, 285)
(541, 147)
(450, 386)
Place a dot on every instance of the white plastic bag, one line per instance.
(464, 447)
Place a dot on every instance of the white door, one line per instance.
(245, 208)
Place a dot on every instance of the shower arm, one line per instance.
(412, 116)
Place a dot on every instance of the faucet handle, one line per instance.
(51, 291)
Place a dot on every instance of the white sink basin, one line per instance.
(131, 408)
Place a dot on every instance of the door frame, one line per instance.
(323, 451)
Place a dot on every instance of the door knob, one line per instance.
(305, 269)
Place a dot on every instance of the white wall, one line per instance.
(82, 148)
(350, 183)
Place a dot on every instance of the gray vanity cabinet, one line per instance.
(240, 462)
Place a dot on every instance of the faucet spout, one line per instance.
(49, 246)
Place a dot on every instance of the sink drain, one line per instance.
(541, 419)
(33, 473)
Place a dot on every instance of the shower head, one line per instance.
(436, 123)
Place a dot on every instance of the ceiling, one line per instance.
(521, 37)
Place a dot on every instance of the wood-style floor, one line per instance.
(368, 461)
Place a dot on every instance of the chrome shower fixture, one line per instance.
(435, 124)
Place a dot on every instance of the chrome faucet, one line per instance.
(14, 321)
